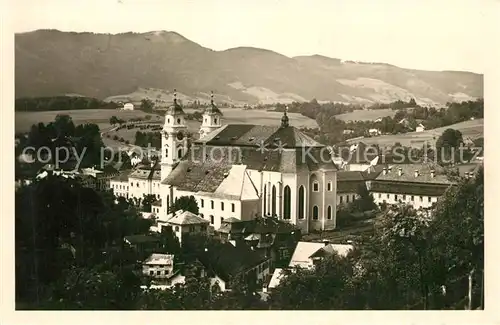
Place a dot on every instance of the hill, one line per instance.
(50, 62)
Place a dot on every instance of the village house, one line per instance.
(183, 224)
(224, 261)
(419, 185)
(306, 256)
(267, 236)
(420, 128)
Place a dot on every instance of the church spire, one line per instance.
(284, 119)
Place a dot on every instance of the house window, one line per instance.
(202, 203)
(341, 199)
(421, 199)
(404, 197)
(221, 219)
(179, 153)
(232, 207)
(151, 272)
(273, 201)
(388, 196)
(429, 199)
(287, 200)
(178, 121)
(222, 206)
(131, 184)
(166, 272)
(329, 212)
(301, 202)
(395, 197)
(215, 120)
(211, 219)
(315, 212)
(413, 198)
(315, 187)
(158, 272)
(212, 204)
(347, 198)
(329, 186)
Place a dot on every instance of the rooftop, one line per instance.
(409, 174)
(181, 217)
(159, 259)
(307, 250)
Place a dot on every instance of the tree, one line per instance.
(113, 120)
(147, 105)
(186, 203)
(447, 146)
(147, 200)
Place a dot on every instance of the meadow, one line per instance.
(473, 129)
(24, 120)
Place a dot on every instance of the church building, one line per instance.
(243, 170)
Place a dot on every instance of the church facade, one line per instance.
(242, 171)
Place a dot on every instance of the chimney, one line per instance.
(326, 242)
(433, 173)
(416, 173)
(400, 171)
(384, 171)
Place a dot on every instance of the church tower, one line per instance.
(174, 142)
(211, 118)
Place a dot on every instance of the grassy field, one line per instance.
(366, 115)
(473, 129)
(24, 120)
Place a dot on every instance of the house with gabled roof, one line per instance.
(420, 185)
(183, 224)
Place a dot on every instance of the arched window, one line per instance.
(315, 212)
(215, 120)
(166, 152)
(211, 219)
(265, 199)
(287, 199)
(205, 120)
(179, 153)
(168, 121)
(329, 213)
(178, 121)
(273, 201)
(301, 202)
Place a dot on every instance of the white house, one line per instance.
(128, 107)
(374, 132)
(184, 223)
(420, 185)
(159, 266)
(420, 128)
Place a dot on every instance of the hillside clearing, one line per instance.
(473, 129)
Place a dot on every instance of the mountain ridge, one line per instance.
(53, 62)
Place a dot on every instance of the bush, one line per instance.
(115, 137)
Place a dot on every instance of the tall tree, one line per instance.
(186, 203)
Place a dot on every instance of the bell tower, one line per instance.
(174, 138)
(211, 118)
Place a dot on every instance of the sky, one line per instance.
(419, 34)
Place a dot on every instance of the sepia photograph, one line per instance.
(236, 155)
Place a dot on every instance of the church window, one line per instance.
(205, 120)
(315, 212)
(215, 120)
(329, 213)
(202, 202)
(265, 199)
(287, 200)
(211, 219)
(232, 207)
(329, 186)
(179, 153)
(273, 201)
(168, 121)
(212, 204)
(341, 199)
(316, 187)
(178, 121)
(166, 152)
(222, 206)
(301, 202)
